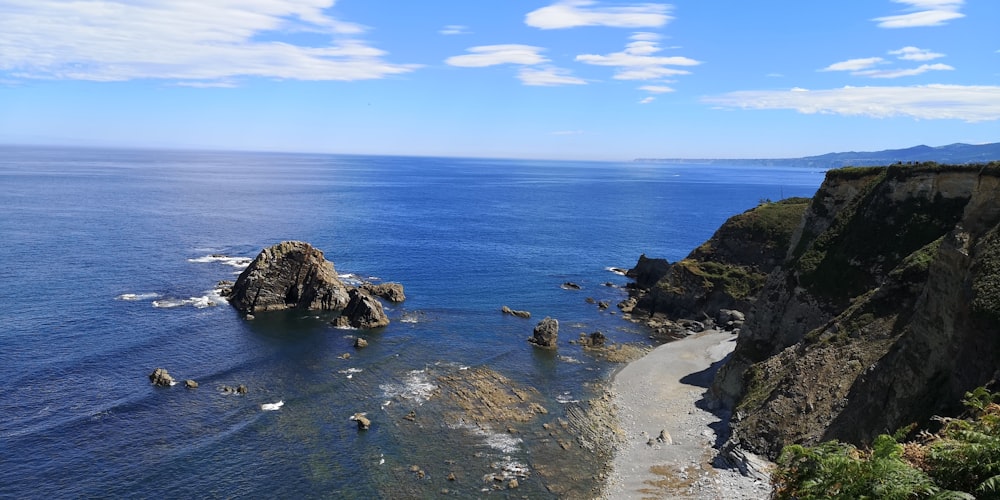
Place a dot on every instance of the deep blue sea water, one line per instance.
(93, 241)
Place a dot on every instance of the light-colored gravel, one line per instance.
(665, 391)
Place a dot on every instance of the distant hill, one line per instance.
(953, 154)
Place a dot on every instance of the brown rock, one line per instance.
(393, 292)
(289, 275)
(546, 333)
(161, 378)
(362, 311)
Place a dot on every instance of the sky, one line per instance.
(546, 79)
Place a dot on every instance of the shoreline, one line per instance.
(665, 390)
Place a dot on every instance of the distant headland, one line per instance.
(952, 154)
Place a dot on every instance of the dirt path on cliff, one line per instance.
(664, 391)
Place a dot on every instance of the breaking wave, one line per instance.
(137, 296)
(417, 387)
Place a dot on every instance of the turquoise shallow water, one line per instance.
(95, 240)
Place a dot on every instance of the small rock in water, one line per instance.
(190, 384)
(360, 343)
(161, 378)
(363, 423)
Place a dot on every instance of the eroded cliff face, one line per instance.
(885, 311)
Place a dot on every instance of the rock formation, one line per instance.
(393, 292)
(725, 272)
(160, 378)
(289, 275)
(514, 312)
(885, 310)
(362, 311)
(546, 333)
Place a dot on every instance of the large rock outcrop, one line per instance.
(546, 333)
(725, 272)
(289, 275)
(884, 312)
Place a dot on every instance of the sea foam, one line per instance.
(417, 387)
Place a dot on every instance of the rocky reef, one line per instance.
(883, 312)
(296, 275)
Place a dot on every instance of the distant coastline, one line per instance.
(954, 154)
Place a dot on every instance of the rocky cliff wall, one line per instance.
(884, 312)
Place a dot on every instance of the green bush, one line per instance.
(962, 463)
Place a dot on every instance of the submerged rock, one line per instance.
(546, 333)
(161, 378)
(289, 275)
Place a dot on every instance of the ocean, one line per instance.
(110, 259)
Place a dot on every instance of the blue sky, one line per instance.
(563, 79)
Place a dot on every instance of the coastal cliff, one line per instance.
(725, 272)
(883, 312)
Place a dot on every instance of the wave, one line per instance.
(272, 406)
(131, 297)
(566, 398)
(417, 386)
(240, 263)
(617, 270)
(210, 299)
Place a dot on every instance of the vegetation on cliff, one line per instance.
(961, 461)
(885, 312)
(728, 270)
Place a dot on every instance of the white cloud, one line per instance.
(915, 54)
(637, 61)
(191, 41)
(493, 55)
(455, 29)
(575, 13)
(656, 89)
(926, 102)
(854, 64)
(647, 100)
(896, 73)
(548, 77)
(924, 13)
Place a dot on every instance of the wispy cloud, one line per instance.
(548, 77)
(656, 89)
(915, 54)
(854, 64)
(533, 71)
(647, 100)
(455, 29)
(925, 102)
(493, 55)
(575, 13)
(637, 61)
(115, 40)
(923, 13)
(896, 73)
(866, 66)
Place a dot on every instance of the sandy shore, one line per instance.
(664, 391)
